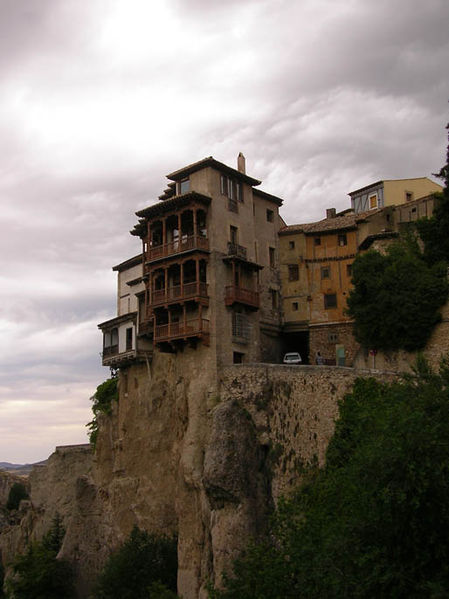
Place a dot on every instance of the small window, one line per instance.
(295, 306)
(373, 201)
(233, 234)
(274, 299)
(325, 272)
(408, 196)
(270, 215)
(272, 257)
(291, 245)
(224, 185)
(293, 272)
(342, 239)
(333, 338)
(184, 186)
(349, 270)
(330, 300)
(239, 192)
(238, 357)
(317, 241)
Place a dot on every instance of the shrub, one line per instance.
(132, 571)
(102, 400)
(15, 496)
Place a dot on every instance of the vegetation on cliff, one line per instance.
(144, 567)
(16, 494)
(37, 574)
(374, 522)
(102, 400)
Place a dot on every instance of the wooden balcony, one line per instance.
(179, 293)
(185, 244)
(239, 295)
(194, 327)
(234, 249)
(112, 350)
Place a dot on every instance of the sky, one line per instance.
(100, 99)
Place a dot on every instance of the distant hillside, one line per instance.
(22, 469)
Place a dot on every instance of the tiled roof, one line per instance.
(210, 161)
(327, 225)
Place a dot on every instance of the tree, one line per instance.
(134, 569)
(102, 400)
(16, 493)
(374, 522)
(38, 574)
(396, 297)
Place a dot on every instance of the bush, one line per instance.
(37, 574)
(395, 298)
(15, 496)
(374, 522)
(102, 400)
(132, 571)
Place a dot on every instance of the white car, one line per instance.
(292, 358)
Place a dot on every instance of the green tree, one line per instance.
(16, 493)
(132, 571)
(395, 298)
(374, 522)
(102, 400)
(37, 574)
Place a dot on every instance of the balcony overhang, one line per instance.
(109, 324)
(122, 359)
(173, 204)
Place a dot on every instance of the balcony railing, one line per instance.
(194, 327)
(179, 293)
(191, 242)
(240, 295)
(112, 350)
(234, 249)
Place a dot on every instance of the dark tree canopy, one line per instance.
(144, 567)
(15, 496)
(395, 298)
(375, 521)
(102, 399)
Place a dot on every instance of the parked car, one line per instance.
(292, 358)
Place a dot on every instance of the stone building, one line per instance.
(208, 277)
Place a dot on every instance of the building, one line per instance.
(391, 192)
(208, 277)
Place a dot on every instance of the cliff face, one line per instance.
(190, 451)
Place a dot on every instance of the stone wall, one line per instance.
(324, 338)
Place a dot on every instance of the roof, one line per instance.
(371, 238)
(210, 161)
(268, 196)
(128, 263)
(328, 225)
(173, 203)
(386, 181)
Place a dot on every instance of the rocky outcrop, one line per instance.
(190, 451)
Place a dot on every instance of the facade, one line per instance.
(122, 342)
(208, 276)
(391, 192)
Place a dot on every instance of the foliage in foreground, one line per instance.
(144, 567)
(16, 493)
(375, 521)
(102, 400)
(396, 298)
(37, 574)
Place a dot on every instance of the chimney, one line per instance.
(241, 165)
(331, 212)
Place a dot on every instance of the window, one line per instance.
(240, 327)
(272, 257)
(295, 306)
(373, 201)
(408, 196)
(317, 241)
(291, 245)
(129, 339)
(325, 272)
(330, 300)
(332, 337)
(234, 235)
(342, 240)
(230, 188)
(274, 299)
(349, 270)
(237, 357)
(293, 272)
(184, 186)
(270, 215)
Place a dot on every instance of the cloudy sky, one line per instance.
(101, 98)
